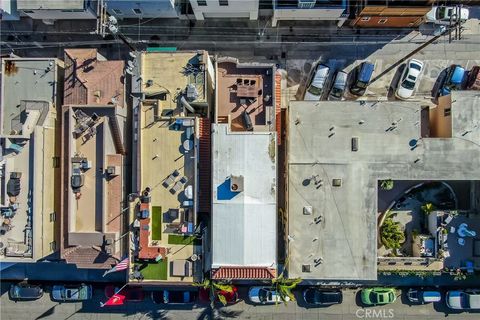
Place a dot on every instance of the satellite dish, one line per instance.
(132, 54)
(113, 28)
(130, 64)
(114, 100)
(112, 20)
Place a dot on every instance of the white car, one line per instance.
(442, 15)
(315, 89)
(264, 295)
(409, 79)
(72, 293)
(463, 300)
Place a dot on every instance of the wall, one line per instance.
(56, 14)
(307, 14)
(149, 8)
(235, 9)
(441, 125)
(9, 10)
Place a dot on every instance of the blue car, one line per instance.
(453, 80)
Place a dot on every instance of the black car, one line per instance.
(174, 297)
(317, 297)
(25, 291)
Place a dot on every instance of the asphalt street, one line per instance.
(44, 308)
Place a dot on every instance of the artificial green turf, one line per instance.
(156, 270)
(185, 240)
(156, 223)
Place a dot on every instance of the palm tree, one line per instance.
(428, 208)
(214, 288)
(284, 286)
(392, 235)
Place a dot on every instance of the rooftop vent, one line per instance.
(306, 268)
(337, 182)
(236, 183)
(307, 210)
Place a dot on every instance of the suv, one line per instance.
(72, 293)
(25, 291)
(317, 85)
(463, 300)
(361, 78)
(453, 80)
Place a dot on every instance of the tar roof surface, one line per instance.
(244, 223)
(389, 146)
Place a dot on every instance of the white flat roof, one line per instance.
(244, 224)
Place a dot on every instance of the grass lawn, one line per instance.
(156, 223)
(156, 271)
(174, 239)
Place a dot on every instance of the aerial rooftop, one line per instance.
(93, 168)
(332, 189)
(245, 90)
(28, 137)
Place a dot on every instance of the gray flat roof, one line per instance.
(244, 224)
(50, 4)
(25, 79)
(342, 246)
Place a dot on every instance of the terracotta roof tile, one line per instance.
(89, 81)
(243, 273)
(89, 257)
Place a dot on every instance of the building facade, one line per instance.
(142, 9)
(58, 10)
(204, 9)
(289, 10)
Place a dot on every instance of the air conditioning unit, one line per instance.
(113, 170)
(306, 4)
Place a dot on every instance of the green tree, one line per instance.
(214, 288)
(427, 208)
(391, 234)
(387, 185)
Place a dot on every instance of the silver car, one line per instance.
(463, 300)
(338, 87)
(72, 293)
(315, 89)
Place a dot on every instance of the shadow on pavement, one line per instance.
(395, 82)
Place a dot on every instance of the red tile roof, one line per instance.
(243, 273)
(205, 166)
(89, 81)
(89, 257)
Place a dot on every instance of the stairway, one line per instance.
(205, 166)
(117, 138)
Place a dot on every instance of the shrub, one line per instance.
(391, 234)
(387, 184)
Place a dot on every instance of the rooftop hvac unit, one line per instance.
(236, 183)
(113, 170)
(306, 4)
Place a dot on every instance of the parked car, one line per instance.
(230, 297)
(409, 79)
(174, 297)
(453, 80)
(317, 297)
(473, 82)
(338, 87)
(71, 293)
(264, 295)
(463, 300)
(361, 77)
(317, 85)
(443, 15)
(378, 296)
(24, 291)
(132, 294)
(423, 296)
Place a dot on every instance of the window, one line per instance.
(447, 112)
(223, 2)
(365, 19)
(56, 162)
(53, 216)
(201, 3)
(137, 11)
(382, 21)
(53, 246)
(117, 11)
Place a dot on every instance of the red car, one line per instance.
(231, 297)
(132, 294)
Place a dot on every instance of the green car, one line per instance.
(378, 296)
